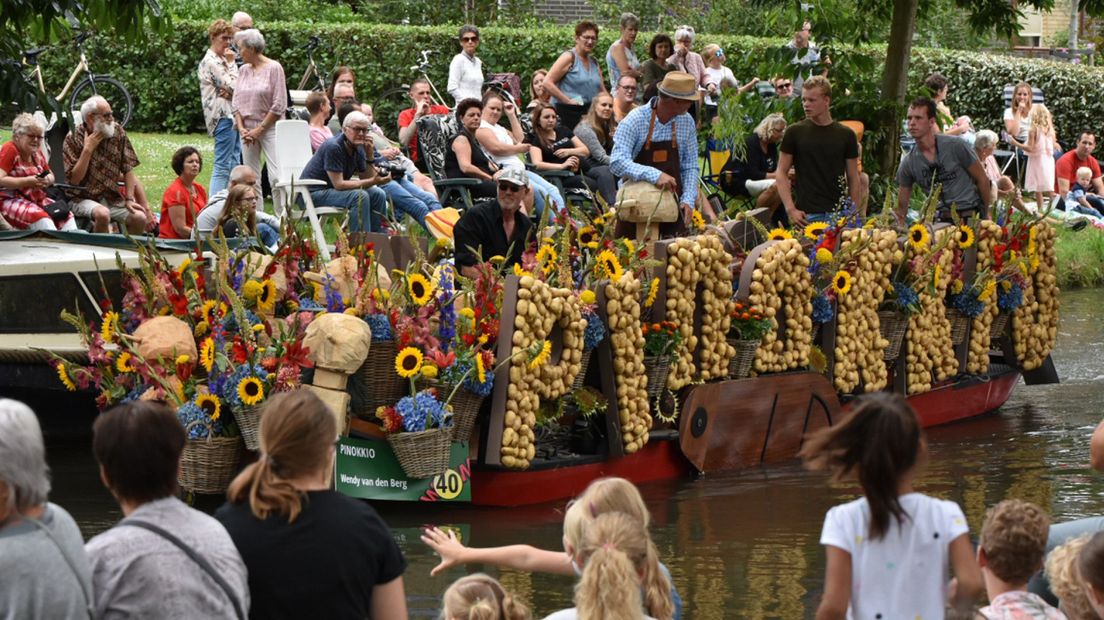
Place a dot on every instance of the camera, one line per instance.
(392, 169)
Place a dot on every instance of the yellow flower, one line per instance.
(542, 356)
(183, 359)
(381, 295)
(267, 299)
(588, 237)
(870, 223)
(408, 362)
(429, 371)
(350, 311)
(918, 237)
(957, 286)
(965, 236)
(467, 313)
(109, 326)
(211, 405)
(823, 255)
(480, 371)
(608, 266)
(841, 282)
(201, 328)
(1034, 260)
(937, 275)
(252, 289)
(250, 391)
(66, 380)
(482, 339)
(587, 297)
(547, 256)
(319, 292)
(497, 259)
(696, 220)
(629, 245)
(1006, 285)
(420, 289)
(987, 292)
(125, 362)
(519, 272)
(207, 310)
(207, 354)
(814, 230)
(258, 328)
(779, 234)
(653, 290)
(187, 262)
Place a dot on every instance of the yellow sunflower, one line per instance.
(211, 405)
(420, 289)
(267, 299)
(201, 329)
(814, 230)
(608, 266)
(823, 255)
(987, 292)
(957, 286)
(408, 362)
(109, 326)
(519, 272)
(696, 220)
(207, 311)
(125, 362)
(779, 234)
(252, 289)
(542, 356)
(653, 290)
(630, 247)
(965, 236)
(66, 380)
(918, 237)
(587, 297)
(250, 391)
(841, 282)
(547, 256)
(480, 371)
(207, 354)
(588, 237)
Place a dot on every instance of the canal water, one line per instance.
(745, 544)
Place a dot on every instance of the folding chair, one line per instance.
(434, 134)
(293, 152)
(1006, 97)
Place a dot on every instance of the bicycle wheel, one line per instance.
(109, 88)
(386, 108)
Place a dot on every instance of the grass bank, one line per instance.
(1080, 257)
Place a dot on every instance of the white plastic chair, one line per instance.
(293, 152)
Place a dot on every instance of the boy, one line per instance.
(1076, 201)
(1013, 542)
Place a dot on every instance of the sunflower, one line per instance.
(653, 290)
(207, 311)
(814, 230)
(125, 362)
(588, 237)
(696, 220)
(629, 245)
(211, 405)
(823, 255)
(109, 326)
(519, 272)
(252, 289)
(420, 289)
(779, 234)
(542, 356)
(987, 292)
(201, 329)
(587, 297)
(609, 266)
(207, 354)
(408, 362)
(480, 371)
(918, 237)
(965, 236)
(250, 391)
(547, 256)
(267, 299)
(63, 374)
(841, 282)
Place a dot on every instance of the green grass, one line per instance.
(1080, 256)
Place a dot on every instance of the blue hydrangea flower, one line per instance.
(595, 331)
(380, 326)
(967, 303)
(472, 384)
(1010, 300)
(307, 304)
(822, 309)
(190, 412)
(135, 393)
(227, 385)
(230, 323)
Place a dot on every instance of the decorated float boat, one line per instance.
(593, 357)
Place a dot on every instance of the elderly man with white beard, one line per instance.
(100, 158)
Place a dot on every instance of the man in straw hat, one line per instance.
(658, 143)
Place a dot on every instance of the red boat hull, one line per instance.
(962, 400)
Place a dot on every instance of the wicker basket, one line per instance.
(656, 368)
(465, 409)
(382, 385)
(893, 325)
(249, 421)
(584, 363)
(740, 365)
(959, 323)
(998, 326)
(208, 465)
(424, 453)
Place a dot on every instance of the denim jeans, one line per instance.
(358, 202)
(410, 199)
(269, 235)
(227, 154)
(819, 217)
(543, 193)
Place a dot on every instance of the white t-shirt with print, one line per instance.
(903, 575)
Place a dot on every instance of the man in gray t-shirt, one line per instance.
(940, 160)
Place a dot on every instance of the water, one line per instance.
(745, 544)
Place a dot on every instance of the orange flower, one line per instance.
(745, 316)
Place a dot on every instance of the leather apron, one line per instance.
(663, 155)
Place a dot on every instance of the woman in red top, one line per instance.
(184, 198)
(24, 177)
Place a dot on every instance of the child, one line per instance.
(1065, 583)
(602, 496)
(613, 551)
(1075, 198)
(480, 597)
(1013, 542)
(1090, 565)
(888, 551)
(1039, 177)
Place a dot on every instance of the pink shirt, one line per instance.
(259, 91)
(318, 135)
(693, 64)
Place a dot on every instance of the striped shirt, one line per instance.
(260, 90)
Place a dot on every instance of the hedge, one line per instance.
(161, 71)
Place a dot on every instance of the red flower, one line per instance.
(297, 354)
(184, 371)
(238, 352)
(179, 304)
(269, 364)
(392, 421)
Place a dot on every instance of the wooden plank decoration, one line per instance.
(775, 278)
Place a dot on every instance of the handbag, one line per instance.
(641, 201)
(59, 209)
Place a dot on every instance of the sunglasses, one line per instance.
(469, 39)
(508, 187)
(786, 85)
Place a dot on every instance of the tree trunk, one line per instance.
(895, 78)
(1075, 24)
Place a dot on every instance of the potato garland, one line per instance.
(690, 261)
(782, 287)
(929, 332)
(539, 308)
(977, 355)
(627, 340)
(1035, 322)
(859, 341)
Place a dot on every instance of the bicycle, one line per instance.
(117, 95)
(312, 68)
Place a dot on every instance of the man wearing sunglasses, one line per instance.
(496, 228)
(783, 87)
(946, 161)
(465, 79)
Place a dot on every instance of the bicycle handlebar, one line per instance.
(313, 43)
(83, 36)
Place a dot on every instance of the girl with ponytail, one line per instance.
(890, 551)
(310, 551)
(480, 597)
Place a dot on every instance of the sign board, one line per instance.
(368, 469)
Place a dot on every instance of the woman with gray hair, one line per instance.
(24, 176)
(260, 99)
(42, 560)
(620, 57)
(985, 144)
(465, 80)
(685, 59)
(753, 175)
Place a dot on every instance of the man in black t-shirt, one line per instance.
(497, 228)
(821, 152)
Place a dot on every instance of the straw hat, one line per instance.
(680, 85)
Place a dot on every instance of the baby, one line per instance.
(1076, 201)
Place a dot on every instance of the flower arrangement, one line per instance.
(661, 339)
(420, 411)
(748, 323)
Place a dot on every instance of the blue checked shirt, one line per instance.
(633, 132)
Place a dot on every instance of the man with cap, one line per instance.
(496, 228)
(658, 143)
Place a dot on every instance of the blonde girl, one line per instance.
(1065, 580)
(603, 496)
(1039, 177)
(481, 597)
